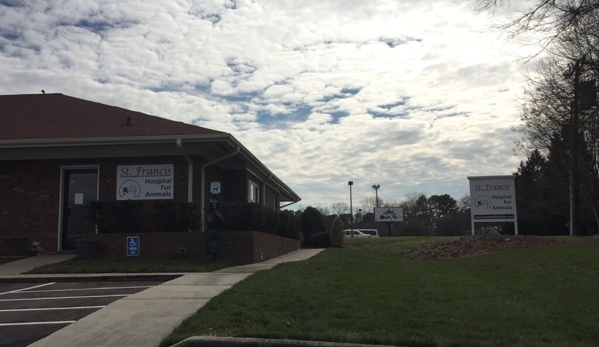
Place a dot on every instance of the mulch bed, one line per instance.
(470, 246)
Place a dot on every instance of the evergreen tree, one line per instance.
(312, 223)
(337, 233)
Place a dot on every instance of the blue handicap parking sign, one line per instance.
(132, 245)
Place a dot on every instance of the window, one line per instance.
(254, 195)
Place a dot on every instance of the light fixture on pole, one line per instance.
(376, 192)
(351, 211)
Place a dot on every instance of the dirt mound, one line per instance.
(476, 245)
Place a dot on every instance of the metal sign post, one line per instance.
(215, 220)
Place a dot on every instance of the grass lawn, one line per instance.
(131, 265)
(366, 293)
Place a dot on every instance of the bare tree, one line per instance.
(464, 203)
(323, 210)
(340, 208)
(368, 204)
(551, 20)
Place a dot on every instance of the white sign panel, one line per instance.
(388, 214)
(78, 198)
(493, 199)
(215, 188)
(144, 182)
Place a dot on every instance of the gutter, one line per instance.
(189, 171)
(291, 203)
(203, 185)
(124, 140)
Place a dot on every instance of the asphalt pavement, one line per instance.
(144, 318)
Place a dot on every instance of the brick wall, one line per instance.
(29, 201)
(240, 246)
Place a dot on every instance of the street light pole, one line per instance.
(376, 192)
(351, 210)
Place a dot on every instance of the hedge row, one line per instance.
(136, 217)
(256, 217)
(173, 216)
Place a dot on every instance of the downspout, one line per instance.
(203, 194)
(189, 171)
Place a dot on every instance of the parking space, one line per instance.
(32, 311)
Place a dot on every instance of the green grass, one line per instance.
(532, 297)
(131, 265)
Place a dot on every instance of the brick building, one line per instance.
(58, 153)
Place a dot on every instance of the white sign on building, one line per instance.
(388, 214)
(493, 199)
(145, 182)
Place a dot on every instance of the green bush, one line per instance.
(337, 233)
(249, 216)
(320, 240)
(117, 216)
(312, 223)
(289, 225)
(175, 216)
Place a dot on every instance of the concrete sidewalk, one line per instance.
(145, 318)
(20, 266)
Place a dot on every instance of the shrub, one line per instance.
(175, 216)
(289, 225)
(117, 216)
(312, 223)
(337, 233)
(249, 216)
(320, 240)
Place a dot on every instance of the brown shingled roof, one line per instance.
(57, 116)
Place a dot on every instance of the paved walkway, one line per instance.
(20, 266)
(145, 318)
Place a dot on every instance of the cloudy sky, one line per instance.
(414, 95)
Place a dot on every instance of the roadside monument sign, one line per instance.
(388, 214)
(493, 199)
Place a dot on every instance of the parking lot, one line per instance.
(32, 311)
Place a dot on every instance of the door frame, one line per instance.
(63, 170)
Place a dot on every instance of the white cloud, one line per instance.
(412, 95)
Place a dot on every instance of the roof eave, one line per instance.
(103, 141)
(139, 140)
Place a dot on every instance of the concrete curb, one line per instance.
(88, 278)
(210, 341)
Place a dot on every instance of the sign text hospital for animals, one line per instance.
(493, 199)
(145, 182)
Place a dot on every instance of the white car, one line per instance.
(371, 232)
(357, 233)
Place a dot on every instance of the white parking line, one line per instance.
(79, 289)
(51, 308)
(68, 297)
(20, 290)
(36, 323)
